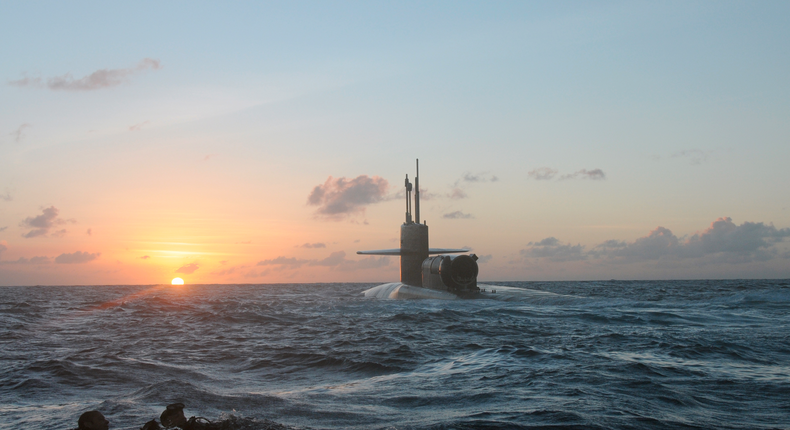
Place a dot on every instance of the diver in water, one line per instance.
(173, 417)
(92, 420)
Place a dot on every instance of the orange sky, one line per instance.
(609, 140)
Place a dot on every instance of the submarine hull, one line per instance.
(399, 290)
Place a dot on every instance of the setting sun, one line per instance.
(177, 281)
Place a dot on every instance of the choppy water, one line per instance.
(663, 354)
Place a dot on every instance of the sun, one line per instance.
(177, 281)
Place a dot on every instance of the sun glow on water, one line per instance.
(177, 281)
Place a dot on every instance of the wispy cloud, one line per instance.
(336, 260)
(42, 224)
(19, 133)
(594, 174)
(2, 229)
(341, 197)
(478, 177)
(542, 174)
(7, 196)
(138, 126)
(103, 78)
(722, 241)
(145, 257)
(457, 194)
(554, 250)
(694, 156)
(59, 233)
(78, 257)
(484, 258)
(229, 271)
(283, 261)
(313, 245)
(457, 215)
(32, 260)
(547, 174)
(188, 268)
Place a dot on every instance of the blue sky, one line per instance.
(193, 133)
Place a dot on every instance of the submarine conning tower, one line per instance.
(413, 237)
(457, 274)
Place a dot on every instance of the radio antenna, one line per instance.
(417, 193)
(408, 200)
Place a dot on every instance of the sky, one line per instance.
(267, 142)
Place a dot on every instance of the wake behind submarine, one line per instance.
(423, 276)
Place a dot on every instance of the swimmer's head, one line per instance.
(173, 416)
(93, 420)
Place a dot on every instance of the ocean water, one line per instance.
(608, 355)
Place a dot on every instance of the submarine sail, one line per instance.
(455, 274)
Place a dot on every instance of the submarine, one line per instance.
(452, 274)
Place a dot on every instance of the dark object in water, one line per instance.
(151, 425)
(173, 416)
(92, 420)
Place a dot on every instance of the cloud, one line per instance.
(658, 243)
(722, 242)
(229, 271)
(39, 260)
(594, 174)
(59, 233)
(7, 196)
(724, 236)
(547, 174)
(365, 263)
(19, 133)
(188, 268)
(457, 215)
(457, 194)
(32, 260)
(138, 126)
(2, 229)
(336, 260)
(89, 232)
(484, 258)
(42, 224)
(145, 257)
(76, 257)
(104, 78)
(282, 261)
(552, 249)
(341, 197)
(749, 241)
(313, 245)
(254, 274)
(459, 187)
(542, 174)
(479, 177)
(694, 156)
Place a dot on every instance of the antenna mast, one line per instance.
(417, 193)
(408, 200)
